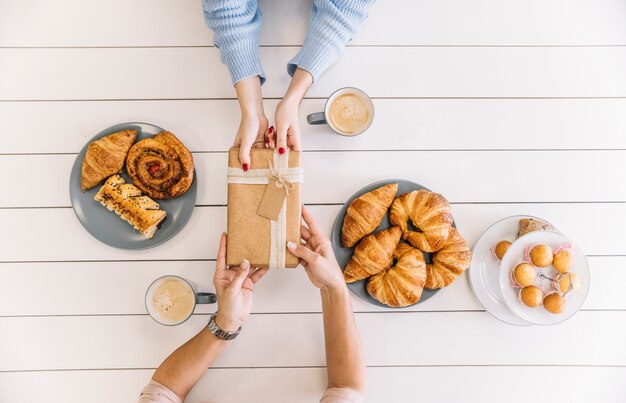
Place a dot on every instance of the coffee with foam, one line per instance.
(170, 300)
(349, 113)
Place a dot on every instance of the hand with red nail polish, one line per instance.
(287, 113)
(287, 126)
(253, 126)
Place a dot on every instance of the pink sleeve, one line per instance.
(154, 392)
(341, 395)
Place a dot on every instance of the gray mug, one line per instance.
(188, 298)
(325, 117)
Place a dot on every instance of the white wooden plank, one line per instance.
(595, 227)
(467, 338)
(400, 124)
(52, 288)
(425, 22)
(159, 73)
(295, 385)
(103, 23)
(279, 292)
(462, 176)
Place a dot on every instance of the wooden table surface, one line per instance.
(504, 106)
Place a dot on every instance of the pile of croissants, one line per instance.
(397, 272)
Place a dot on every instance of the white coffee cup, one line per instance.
(348, 111)
(170, 300)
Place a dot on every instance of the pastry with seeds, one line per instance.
(131, 205)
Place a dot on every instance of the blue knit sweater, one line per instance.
(236, 25)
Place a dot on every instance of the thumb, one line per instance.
(281, 137)
(240, 277)
(302, 252)
(244, 152)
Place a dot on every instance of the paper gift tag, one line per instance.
(272, 201)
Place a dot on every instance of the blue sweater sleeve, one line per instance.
(236, 25)
(333, 24)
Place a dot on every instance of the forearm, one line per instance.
(344, 357)
(236, 25)
(333, 24)
(250, 97)
(300, 83)
(184, 367)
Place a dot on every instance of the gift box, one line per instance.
(264, 208)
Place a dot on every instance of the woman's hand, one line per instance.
(234, 287)
(252, 133)
(287, 126)
(317, 256)
(253, 129)
(287, 117)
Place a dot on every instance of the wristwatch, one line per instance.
(219, 332)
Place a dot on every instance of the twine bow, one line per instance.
(281, 181)
(286, 177)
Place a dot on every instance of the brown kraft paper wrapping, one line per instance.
(248, 232)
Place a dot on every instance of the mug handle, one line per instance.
(318, 118)
(205, 298)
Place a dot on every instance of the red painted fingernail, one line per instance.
(281, 150)
(271, 129)
(245, 167)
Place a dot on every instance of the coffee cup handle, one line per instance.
(205, 298)
(318, 118)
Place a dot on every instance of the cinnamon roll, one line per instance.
(162, 167)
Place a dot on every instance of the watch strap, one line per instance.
(219, 332)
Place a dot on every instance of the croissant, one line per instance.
(402, 284)
(131, 205)
(105, 157)
(527, 225)
(372, 255)
(162, 167)
(365, 214)
(429, 212)
(449, 262)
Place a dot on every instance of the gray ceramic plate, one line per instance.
(344, 254)
(105, 225)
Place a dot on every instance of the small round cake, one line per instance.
(501, 248)
(554, 302)
(562, 261)
(564, 281)
(531, 296)
(524, 274)
(541, 255)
